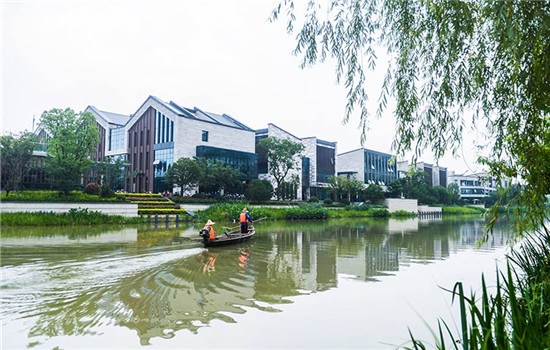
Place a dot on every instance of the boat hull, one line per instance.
(229, 238)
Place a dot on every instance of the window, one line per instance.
(116, 139)
(164, 129)
(205, 136)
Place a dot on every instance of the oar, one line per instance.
(259, 219)
(232, 228)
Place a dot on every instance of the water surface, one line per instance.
(327, 284)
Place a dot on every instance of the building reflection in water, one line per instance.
(158, 295)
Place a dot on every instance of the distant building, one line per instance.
(368, 166)
(317, 163)
(473, 187)
(159, 133)
(112, 139)
(435, 175)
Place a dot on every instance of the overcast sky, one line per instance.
(220, 56)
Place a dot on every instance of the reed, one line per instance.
(74, 217)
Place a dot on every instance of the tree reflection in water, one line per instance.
(145, 282)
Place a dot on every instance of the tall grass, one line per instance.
(74, 217)
(462, 210)
(231, 211)
(516, 315)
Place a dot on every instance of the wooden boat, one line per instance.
(227, 238)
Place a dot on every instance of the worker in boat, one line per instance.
(244, 218)
(208, 230)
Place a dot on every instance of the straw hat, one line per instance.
(209, 223)
(244, 210)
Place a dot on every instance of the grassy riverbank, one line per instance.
(458, 210)
(72, 218)
(229, 212)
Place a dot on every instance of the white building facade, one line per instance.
(473, 188)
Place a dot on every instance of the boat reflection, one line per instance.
(141, 280)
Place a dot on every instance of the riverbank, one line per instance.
(74, 217)
(218, 212)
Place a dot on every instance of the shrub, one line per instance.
(92, 188)
(462, 210)
(306, 212)
(327, 201)
(402, 213)
(259, 190)
(56, 196)
(106, 192)
(161, 211)
(313, 199)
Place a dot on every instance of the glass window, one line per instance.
(205, 136)
(164, 158)
(164, 132)
(116, 139)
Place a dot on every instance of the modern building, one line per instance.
(112, 139)
(316, 164)
(368, 166)
(273, 130)
(160, 133)
(473, 187)
(435, 175)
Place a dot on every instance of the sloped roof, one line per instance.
(198, 114)
(112, 118)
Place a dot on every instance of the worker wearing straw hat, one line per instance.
(208, 226)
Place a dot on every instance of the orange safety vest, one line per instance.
(212, 233)
(243, 217)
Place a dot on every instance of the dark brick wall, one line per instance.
(141, 153)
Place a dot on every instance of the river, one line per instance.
(327, 284)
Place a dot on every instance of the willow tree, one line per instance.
(452, 65)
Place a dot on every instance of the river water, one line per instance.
(329, 284)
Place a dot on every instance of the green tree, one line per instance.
(74, 136)
(336, 185)
(259, 190)
(454, 193)
(447, 60)
(216, 177)
(442, 195)
(282, 157)
(416, 186)
(374, 194)
(395, 189)
(353, 188)
(342, 185)
(185, 173)
(112, 174)
(15, 154)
